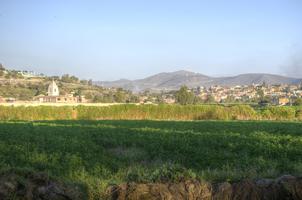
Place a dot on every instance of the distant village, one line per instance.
(262, 94)
(274, 94)
(257, 93)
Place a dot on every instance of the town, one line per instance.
(274, 94)
(262, 94)
(31, 87)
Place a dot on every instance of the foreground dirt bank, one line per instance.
(283, 188)
(38, 186)
(35, 186)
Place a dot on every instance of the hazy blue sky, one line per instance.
(107, 40)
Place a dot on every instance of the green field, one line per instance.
(98, 153)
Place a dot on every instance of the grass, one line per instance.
(100, 153)
(150, 112)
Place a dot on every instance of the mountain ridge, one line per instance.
(166, 81)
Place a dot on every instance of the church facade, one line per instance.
(53, 96)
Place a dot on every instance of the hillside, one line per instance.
(14, 84)
(173, 80)
(249, 79)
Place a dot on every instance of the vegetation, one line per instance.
(100, 153)
(24, 86)
(151, 112)
(184, 96)
(14, 85)
(298, 102)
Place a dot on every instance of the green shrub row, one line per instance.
(150, 112)
(36, 113)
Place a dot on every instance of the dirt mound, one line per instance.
(38, 186)
(34, 186)
(283, 188)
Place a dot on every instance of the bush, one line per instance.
(299, 114)
(298, 102)
(279, 113)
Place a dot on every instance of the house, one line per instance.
(2, 100)
(53, 96)
(282, 101)
(169, 100)
(10, 100)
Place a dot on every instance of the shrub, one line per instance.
(280, 113)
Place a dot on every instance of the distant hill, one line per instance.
(173, 81)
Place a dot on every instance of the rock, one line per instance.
(198, 190)
(222, 191)
(113, 192)
(39, 186)
(34, 186)
(283, 188)
(178, 190)
(245, 189)
(291, 187)
(160, 191)
(264, 182)
(139, 192)
(190, 190)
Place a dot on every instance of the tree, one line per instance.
(84, 82)
(260, 94)
(69, 79)
(210, 99)
(119, 96)
(298, 102)
(134, 99)
(78, 92)
(197, 100)
(184, 97)
(229, 99)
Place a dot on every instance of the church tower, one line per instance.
(53, 89)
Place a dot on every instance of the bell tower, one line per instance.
(53, 89)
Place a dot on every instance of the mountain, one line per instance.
(249, 79)
(174, 80)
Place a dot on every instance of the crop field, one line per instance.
(99, 153)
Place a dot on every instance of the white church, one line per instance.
(53, 89)
(53, 96)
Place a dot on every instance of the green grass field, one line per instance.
(98, 153)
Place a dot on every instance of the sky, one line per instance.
(109, 40)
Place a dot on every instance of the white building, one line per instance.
(53, 89)
(53, 96)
